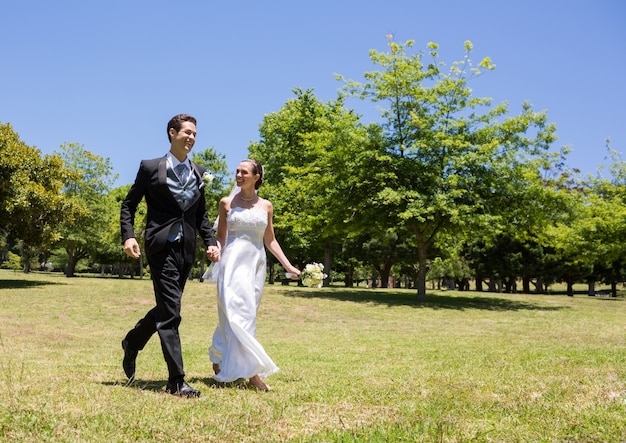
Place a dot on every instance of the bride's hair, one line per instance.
(257, 168)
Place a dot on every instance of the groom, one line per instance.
(172, 186)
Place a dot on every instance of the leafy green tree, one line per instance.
(599, 230)
(31, 203)
(351, 260)
(381, 250)
(449, 265)
(113, 253)
(214, 190)
(13, 262)
(91, 181)
(222, 180)
(282, 150)
(309, 150)
(569, 258)
(110, 256)
(584, 240)
(448, 160)
(515, 244)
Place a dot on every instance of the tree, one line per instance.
(214, 190)
(31, 203)
(448, 160)
(449, 265)
(114, 253)
(220, 184)
(90, 182)
(309, 150)
(601, 224)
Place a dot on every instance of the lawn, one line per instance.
(356, 365)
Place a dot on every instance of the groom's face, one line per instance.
(183, 140)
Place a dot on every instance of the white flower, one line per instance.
(313, 275)
(207, 177)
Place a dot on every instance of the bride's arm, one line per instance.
(221, 221)
(272, 244)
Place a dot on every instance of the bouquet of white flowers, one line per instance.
(313, 275)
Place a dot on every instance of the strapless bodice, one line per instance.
(247, 224)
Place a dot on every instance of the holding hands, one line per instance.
(131, 248)
(213, 253)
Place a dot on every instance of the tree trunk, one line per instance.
(71, 265)
(271, 271)
(141, 267)
(327, 262)
(374, 281)
(591, 289)
(384, 274)
(613, 288)
(479, 283)
(422, 270)
(26, 257)
(463, 284)
(349, 280)
(570, 288)
(74, 254)
(508, 285)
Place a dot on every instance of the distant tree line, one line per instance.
(447, 188)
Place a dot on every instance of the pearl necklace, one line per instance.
(247, 199)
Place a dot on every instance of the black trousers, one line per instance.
(169, 275)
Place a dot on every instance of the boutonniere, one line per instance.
(207, 178)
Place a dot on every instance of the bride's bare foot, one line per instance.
(216, 368)
(259, 384)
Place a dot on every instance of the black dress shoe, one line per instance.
(182, 389)
(130, 355)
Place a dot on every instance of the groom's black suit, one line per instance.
(170, 262)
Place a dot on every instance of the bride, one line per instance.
(244, 227)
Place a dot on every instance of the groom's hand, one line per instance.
(213, 253)
(131, 248)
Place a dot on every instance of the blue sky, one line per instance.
(110, 74)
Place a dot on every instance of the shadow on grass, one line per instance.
(160, 385)
(433, 301)
(240, 383)
(141, 385)
(24, 284)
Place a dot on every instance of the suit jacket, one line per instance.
(164, 211)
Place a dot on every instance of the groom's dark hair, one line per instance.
(177, 121)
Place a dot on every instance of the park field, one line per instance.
(357, 365)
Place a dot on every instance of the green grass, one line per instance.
(356, 365)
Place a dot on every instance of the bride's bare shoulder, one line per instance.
(225, 203)
(266, 205)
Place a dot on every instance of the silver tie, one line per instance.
(182, 173)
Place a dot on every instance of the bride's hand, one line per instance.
(213, 253)
(293, 274)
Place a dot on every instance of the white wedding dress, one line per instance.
(240, 277)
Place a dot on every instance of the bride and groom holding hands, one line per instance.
(172, 187)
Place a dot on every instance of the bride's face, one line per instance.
(245, 177)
